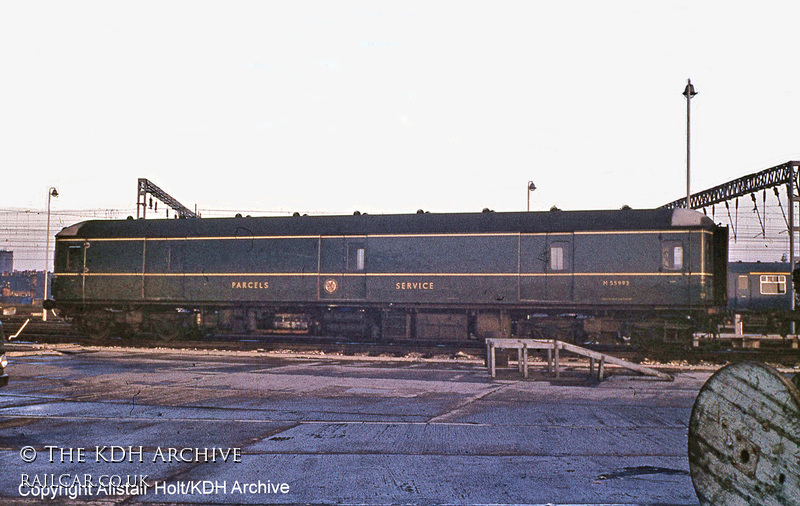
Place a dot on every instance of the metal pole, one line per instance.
(688, 152)
(688, 92)
(790, 195)
(50, 193)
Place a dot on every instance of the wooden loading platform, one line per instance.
(748, 341)
(554, 349)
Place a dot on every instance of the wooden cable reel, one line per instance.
(744, 437)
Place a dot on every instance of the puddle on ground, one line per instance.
(628, 472)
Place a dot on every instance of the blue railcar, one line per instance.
(422, 275)
(759, 286)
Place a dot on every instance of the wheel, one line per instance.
(96, 327)
(168, 330)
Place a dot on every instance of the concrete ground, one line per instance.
(163, 426)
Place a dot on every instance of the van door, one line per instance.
(73, 282)
(356, 267)
(164, 272)
(675, 268)
(559, 268)
(343, 268)
(532, 267)
(546, 267)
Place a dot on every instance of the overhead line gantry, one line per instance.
(774, 177)
(145, 187)
(768, 178)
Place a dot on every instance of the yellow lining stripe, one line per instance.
(375, 236)
(222, 238)
(383, 274)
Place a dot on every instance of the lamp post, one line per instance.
(688, 92)
(531, 187)
(51, 192)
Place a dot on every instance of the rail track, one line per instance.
(59, 331)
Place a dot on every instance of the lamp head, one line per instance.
(531, 186)
(689, 92)
(54, 192)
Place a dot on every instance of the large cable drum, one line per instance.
(744, 438)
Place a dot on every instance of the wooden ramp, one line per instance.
(554, 349)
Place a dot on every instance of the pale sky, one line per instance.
(384, 107)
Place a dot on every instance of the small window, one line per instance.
(743, 283)
(677, 257)
(772, 284)
(356, 257)
(557, 256)
(360, 259)
(672, 255)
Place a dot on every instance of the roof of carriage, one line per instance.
(487, 222)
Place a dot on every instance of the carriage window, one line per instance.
(773, 284)
(360, 259)
(742, 283)
(672, 255)
(557, 256)
(677, 257)
(356, 257)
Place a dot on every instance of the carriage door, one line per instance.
(343, 273)
(74, 281)
(675, 288)
(742, 291)
(356, 267)
(559, 269)
(532, 267)
(164, 272)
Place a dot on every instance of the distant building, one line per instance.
(22, 287)
(6, 261)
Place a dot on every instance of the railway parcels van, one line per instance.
(418, 276)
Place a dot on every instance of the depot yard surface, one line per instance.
(228, 427)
